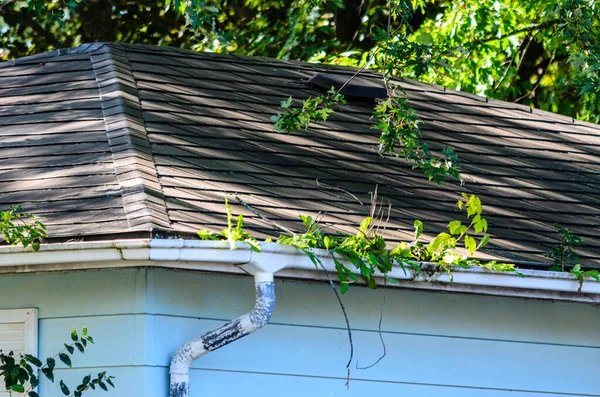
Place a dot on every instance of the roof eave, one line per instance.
(216, 256)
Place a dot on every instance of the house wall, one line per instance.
(437, 344)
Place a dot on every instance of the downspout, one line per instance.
(264, 305)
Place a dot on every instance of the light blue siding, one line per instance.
(438, 345)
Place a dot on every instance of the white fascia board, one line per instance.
(284, 261)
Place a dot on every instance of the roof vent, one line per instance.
(357, 87)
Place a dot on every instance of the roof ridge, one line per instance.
(135, 169)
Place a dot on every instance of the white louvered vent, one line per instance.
(18, 333)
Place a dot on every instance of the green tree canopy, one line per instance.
(541, 53)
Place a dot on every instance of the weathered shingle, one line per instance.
(112, 138)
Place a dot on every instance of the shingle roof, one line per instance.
(109, 139)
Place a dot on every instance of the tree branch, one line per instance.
(531, 28)
(510, 64)
(537, 84)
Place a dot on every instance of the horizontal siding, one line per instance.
(233, 384)
(411, 312)
(128, 382)
(438, 345)
(429, 360)
(102, 292)
(111, 303)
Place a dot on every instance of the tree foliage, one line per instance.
(542, 53)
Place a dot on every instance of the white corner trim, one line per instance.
(29, 317)
(216, 256)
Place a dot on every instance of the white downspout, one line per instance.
(263, 309)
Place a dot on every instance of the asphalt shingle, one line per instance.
(111, 139)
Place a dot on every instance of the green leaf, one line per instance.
(70, 348)
(50, 362)
(484, 241)
(307, 220)
(103, 386)
(207, 235)
(49, 373)
(33, 394)
(74, 336)
(34, 360)
(391, 280)
(79, 347)
(456, 228)
(440, 242)
(65, 359)
(254, 244)
(480, 226)
(64, 388)
(89, 338)
(110, 382)
(34, 381)
(418, 229)
(470, 244)
(364, 225)
(17, 388)
(86, 380)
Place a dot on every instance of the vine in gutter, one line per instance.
(564, 255)
(368, 253)
(21, 375)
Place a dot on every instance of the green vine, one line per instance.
(368, 251)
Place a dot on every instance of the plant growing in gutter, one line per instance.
(22, 375)
(564, 255)
(18, 227)
(367, 251)
(582, 275)
(231, 233)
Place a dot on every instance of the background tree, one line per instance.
(542, 53)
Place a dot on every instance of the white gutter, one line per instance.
(215, 256)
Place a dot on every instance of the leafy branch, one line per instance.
(18, 227)
(17, 373)
(316, 108)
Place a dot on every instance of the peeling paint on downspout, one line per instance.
(227, 333)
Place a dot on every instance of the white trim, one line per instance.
(29, 317)
(215, 256)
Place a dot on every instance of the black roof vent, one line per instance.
(357, 87)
